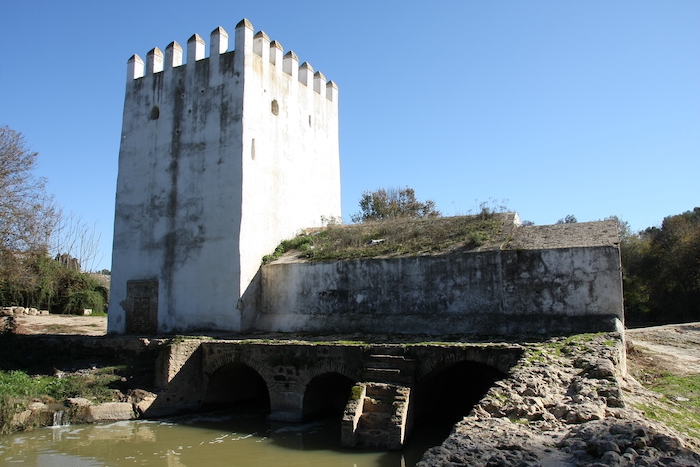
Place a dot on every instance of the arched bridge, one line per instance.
(379, 388)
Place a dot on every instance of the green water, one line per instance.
(201, 440)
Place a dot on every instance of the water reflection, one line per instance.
(211, 439)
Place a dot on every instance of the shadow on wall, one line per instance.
(250, 302)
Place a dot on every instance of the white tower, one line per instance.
(221, 158)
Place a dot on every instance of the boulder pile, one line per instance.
(563, 404)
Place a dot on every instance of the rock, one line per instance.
(665, 443)
(36, 405)
(585, 413)
(611, 458)
(77, 402)
(21, 418)
(110, 411)
(141, 400)
(564, 405)
(602, 369)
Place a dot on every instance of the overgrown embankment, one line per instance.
(38, 374)
(396, 237)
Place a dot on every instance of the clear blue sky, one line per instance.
(585, 108)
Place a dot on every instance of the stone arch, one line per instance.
(502, 361)
(234, 360)
(236, 384)
(451, 388)
(326, 395)
(326, 387)
(213, 363)
(328, 366)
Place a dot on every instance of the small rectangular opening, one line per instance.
(142, 307)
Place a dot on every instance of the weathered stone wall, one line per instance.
(561, 279)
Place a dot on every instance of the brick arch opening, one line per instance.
(326, 395)
(447, 394)
(236, 385)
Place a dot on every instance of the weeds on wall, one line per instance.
(391, 238)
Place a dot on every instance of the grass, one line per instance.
(356, 392)
(680, 405)
(94, 385)
(18, 389)
(572, 345)
(402, 237)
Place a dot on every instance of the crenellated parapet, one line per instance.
(220, 136)
(270, 51)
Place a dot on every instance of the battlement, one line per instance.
(219, 139)
(246, 43)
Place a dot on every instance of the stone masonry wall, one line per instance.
(498, 293)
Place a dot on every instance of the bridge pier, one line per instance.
(287, 406)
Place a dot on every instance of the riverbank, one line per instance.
(84, 379)
(568, 401)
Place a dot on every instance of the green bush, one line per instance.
(41, 282)
(81, 299)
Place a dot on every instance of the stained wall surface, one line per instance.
(214, 158)
(557, 279)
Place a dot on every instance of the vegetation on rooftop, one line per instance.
(394, 237)
(392, 222)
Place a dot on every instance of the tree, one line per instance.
(27, 212)
(661, 270)
(569, 219)
(74, 243)
(27, 217)
(31, 228)
(393, 203)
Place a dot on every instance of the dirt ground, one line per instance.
(674, 348)
(62, 324)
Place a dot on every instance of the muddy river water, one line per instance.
(202, 440)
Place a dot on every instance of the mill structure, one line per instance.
(221, 158)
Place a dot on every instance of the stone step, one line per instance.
(387, 375)
(380, 391)
(378, 439)
(375, 438)
(394, 350)
(371, 405)
(390, 361)
(374, 421)
(381, 419)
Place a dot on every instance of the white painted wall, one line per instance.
(194, 209)
(292, 176)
